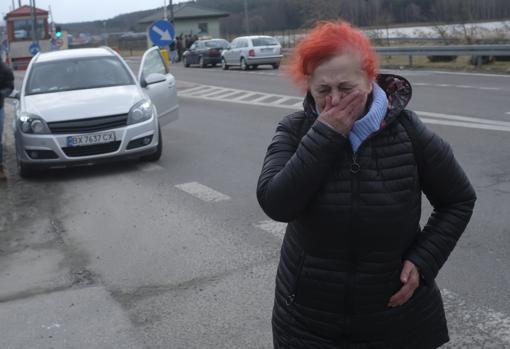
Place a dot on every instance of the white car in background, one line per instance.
(251, 51)
(86, 106)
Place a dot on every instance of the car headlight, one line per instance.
(29, 123)
(140, 112)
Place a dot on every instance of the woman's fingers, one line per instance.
(410, 277)
(406, 271)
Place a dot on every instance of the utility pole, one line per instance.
(171, 12)
(246, 18)
(165, 17)
(35, 38)
(13, 5)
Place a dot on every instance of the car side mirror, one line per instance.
(154, 78)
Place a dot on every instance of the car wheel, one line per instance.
(214, 65)
(159, 150)
(185, 62)
(244, 66)
(202, 63)
(224, 64)
(254, 67)
(276, 65)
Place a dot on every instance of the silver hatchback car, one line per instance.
(86, 106)
(251, 51)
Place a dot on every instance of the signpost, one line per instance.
(34, 48)
(162, 33)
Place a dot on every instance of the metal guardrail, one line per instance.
(448, 50)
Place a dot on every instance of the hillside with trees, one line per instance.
(272, 15)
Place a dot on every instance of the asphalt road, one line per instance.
(179, 255)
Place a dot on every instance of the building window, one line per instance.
(203, 28)
(23, 29)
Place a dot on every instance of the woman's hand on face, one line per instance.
(343, 115)
(410, 277)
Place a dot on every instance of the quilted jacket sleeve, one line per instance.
(452, 197)
(294, 167)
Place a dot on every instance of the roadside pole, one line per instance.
(34, 22)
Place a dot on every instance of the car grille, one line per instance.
(95, 149)
(88, 125)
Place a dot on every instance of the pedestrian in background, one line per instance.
(179, 46)
(173, 51)
(347, 174)
(6, 87)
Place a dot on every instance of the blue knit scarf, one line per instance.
(371, 121)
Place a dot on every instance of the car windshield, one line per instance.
(264, 42)
(216, 43)
(77, 74)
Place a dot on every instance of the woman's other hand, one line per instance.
(410, 277)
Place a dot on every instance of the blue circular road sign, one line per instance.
(162, 33)
(34, 48)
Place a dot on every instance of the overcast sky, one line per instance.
(65, 11)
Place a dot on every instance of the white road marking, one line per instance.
(281, 100)
(217, 92)
(466, 125)
(245, 96)
(260, 97)
(490, 88)
(464, 118)
(274, 228)
(457, 86)
(467, 74)
(51, 326)
(202, 192)
(194, 89)
(508, 113)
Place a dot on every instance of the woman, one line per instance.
(347, 173)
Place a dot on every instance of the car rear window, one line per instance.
(264, 42)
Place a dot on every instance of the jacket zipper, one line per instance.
(355, 187)
(291, 298)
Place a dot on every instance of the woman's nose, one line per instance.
(336, 97)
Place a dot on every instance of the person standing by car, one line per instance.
(6, 87)
(347, 174)
(179, 46)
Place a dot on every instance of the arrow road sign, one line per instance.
(34, 48)
(162, 33)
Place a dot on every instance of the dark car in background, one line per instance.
(205, 52)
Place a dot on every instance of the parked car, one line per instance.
(204, 53)
(251, 51)
(86, 105)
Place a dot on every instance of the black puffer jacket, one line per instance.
(353, 220)
(6, 82)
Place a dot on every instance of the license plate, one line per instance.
(267, 50)
(97, 138)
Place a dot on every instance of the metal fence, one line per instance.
(475, 51)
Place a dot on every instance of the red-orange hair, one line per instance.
(326, 40)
